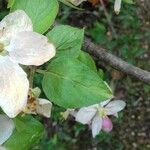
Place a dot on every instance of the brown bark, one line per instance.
(117, 63)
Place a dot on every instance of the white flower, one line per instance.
(37, 105)
(6, 129)
(14, 87)
(19, 45)
(117, 6)
(97, 115)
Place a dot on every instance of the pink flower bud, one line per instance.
(107, 124)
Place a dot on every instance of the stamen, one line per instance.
(102, 112)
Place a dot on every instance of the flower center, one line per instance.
(31, 104)
(102, 112)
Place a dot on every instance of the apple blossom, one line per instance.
(37, 105)
(6, 129)
(97, 115)
(19, 45)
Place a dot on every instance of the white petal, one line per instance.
(6, 128)
(2, 148)
(30, 48)
(15, 22)
(44, 107)
(105, 102)
(116, 115)
(85, 114)
(117, 6)
(96, 125)
(115, 106)
(72, 112)
(14, 87)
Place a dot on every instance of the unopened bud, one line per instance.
(107, 124)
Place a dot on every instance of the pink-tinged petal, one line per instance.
(14, 87)
(30, 48)
(115, 106)
(96, 125)
(6, 128)
(107, 124)
(85, 115)
(15, 22)
(44, 107)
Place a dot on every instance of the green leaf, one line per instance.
(129, 1)
(27, 133)
(101, 73)
(41, 12)
(67, 40)
(10, 3)
(71, 84)
(70, 4)
(87, 60)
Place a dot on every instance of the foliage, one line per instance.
(67, 40)
(70, 80)
(28, 132)
(76, 84)
(38, 10)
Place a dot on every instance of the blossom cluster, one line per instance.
(20, 45)
(97, 116)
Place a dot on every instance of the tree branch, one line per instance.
(116, 62)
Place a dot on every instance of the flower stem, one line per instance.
(31, 75)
